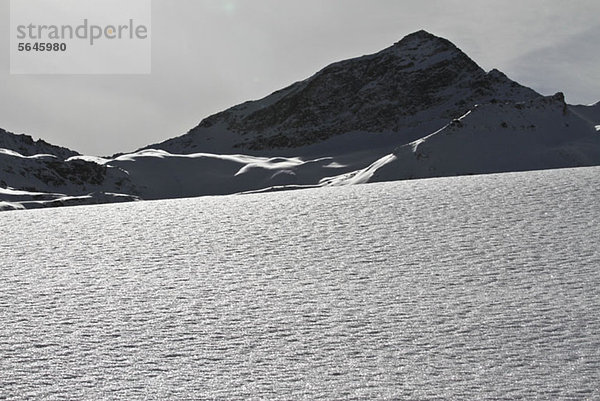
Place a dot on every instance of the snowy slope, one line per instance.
(159, 174)
(496, 137)
(47, 180)
(44, 180)
(405, 91)
(32, 200)
(589, 113)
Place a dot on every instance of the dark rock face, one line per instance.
(25, 145)
(57, 173)
(420, 78)
(53, 171)
(78, 172)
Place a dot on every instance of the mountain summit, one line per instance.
(410, 89)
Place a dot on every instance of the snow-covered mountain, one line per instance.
(543, 133)
(407, 90)
(26, 146)
(418, 109)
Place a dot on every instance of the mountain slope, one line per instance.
(26, 146)
(408, 89)
(159, 174)
(57, 179)
(589, 113)
(496, 137)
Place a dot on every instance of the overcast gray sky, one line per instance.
(208, 55)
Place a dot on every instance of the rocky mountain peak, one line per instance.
(420, 35)
(423, 41)
(559, 96)
(420, 80)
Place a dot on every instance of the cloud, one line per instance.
(570, 65)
